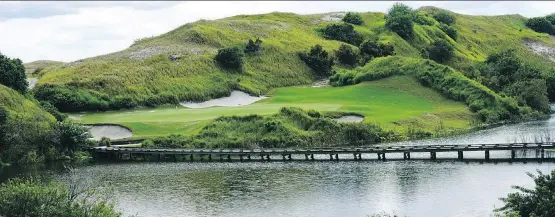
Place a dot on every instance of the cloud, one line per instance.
(69, 31)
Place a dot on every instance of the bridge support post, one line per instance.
(311, 156)
(241, 158)
(289, 157)
(249, 157)
(191, 157)
(283, 155)
(331, 156)
(433, 155)
(460, 155)
(487, 155)
(209, 157)
(336, 156)
(542, 153)
(267, 157)
(221, 157)
(262, 157)
(229, 157)
(359, 156)
(355, 156)
(306, 156)
(513, 154)
(406, 155)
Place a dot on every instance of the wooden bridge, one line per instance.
(308, 153)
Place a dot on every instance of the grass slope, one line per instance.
(24, 126)
(144, 74)
(396, 103)
(39, 64)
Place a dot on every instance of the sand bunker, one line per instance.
(349, 119)
(110, 131)
(321, 83)
(32, 82)
(237, 98)
(541, 49)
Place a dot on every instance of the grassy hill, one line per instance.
(143, 74)
(24, 126)
(39, 64)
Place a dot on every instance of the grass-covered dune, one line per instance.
(143, 74)
(39, 65)
(24, 126)
(398, 103)
(490, 106)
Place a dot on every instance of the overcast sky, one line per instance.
(68, 31)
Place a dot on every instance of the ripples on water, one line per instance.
(344, 188)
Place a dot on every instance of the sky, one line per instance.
(68, 31)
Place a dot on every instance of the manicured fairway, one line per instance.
(392, 103)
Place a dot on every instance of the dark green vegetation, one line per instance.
(536, 202)
(231, 58)
(342, 32)
(38, 198)
(371, 49)
(440, 51)
(12, 74)
(346, 55)
(29, 134)
(291, 127)
(400, 20)
(353, 18)
(540, 24)
(318, 60)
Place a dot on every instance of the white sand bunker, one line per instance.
(349, 119)
(237, 98)
(321, 83)
(32, 82)
(110, 131)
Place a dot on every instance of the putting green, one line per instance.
(393, 103)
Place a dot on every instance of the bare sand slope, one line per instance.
(110, 131)
(32, 82)
(237, 98)
(349, 119)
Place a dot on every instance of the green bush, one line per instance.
(371, 49)
(70, 138)
(449, 30)
(342, 32)
(105, 141)
(36, 198)
(399, 20)
(253, 46)
(71, 99)
(540, 24)
(551, 18)
(440, 51)
(346, 55)
(318, 60)
(12, 74)
(353, 18)
(230, 58)
(536, 202)
(423, 18)
(445, 17)
(46, 106)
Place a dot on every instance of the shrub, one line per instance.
(370, 49)
(105, 141)
(12, 74)
(346, 55)
(537, 202)
(353, 18)
(423, 18)
(46, 106)
(231, 58)
(36, 198)
(551, 18)
(71, 99)
(318, 60)
(70, 137)
(445, 17)
(253, 46)
(540, 24)
(399, 20)
(449, 30)
(440, 51)
(342, 32)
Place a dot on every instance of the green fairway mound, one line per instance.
(236, 98)
(179, 65)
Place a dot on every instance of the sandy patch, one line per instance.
(541, 49)
(237, 98)
(32, 82)
(334, 16)
(349, 119)
(110, 131)
(321, 83)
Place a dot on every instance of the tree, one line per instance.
(449, 30)
(342, 32)
(346, 55)
(12, 74)
(231, 58)
(353, 18)
(531, 92)
(399, 20)
(71, 137)
(370, 49)
(46, 106)
(440, 51)
(445, 17)
(540, 24)
(551, 18)
(36, 198)
(537, 202)
(318, 60)
(254, 46)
